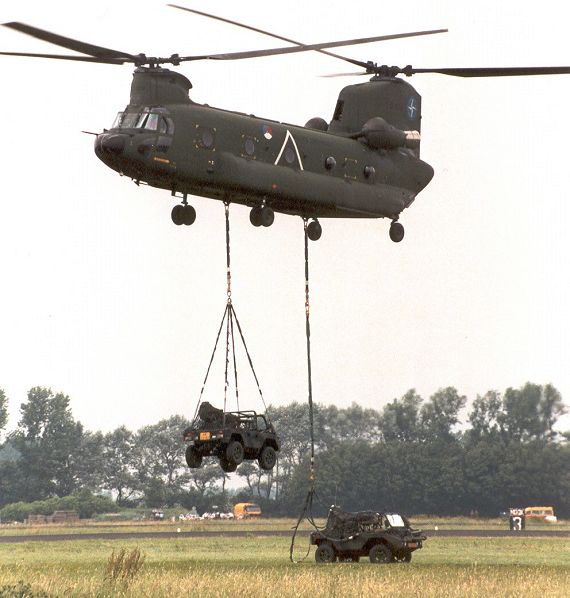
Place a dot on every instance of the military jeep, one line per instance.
(382, 537)
(232, 437)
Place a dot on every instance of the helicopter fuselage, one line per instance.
(193, 149)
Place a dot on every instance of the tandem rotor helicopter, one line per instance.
(364, 163)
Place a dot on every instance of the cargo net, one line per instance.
(208, 417)
(342, 524)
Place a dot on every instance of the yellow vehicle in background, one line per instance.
(540, 513)
(244, 510)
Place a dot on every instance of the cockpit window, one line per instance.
(149, 119)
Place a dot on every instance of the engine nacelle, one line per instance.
(380, 134)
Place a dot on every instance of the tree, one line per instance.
(440, 414)
(3, 410)
(485, 416)
(48, 440)
(119, 465)
(530, 412)
(206, 478)
(400, 418)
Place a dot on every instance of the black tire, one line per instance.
(404, 557)
(193, 457)
(189, 215)
(234, 452)
(267, 216)
(314, 230)
(267, 458)
(177, 214)
(325, 553)
(227, 466)
(380, 553)
(396, 232)
(255, 216)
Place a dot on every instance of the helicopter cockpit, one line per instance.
(150, 119)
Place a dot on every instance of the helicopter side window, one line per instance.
(151, 122)
(142, 120)
(130, 120)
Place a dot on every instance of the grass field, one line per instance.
(259, 566)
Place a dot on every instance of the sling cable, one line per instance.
(307, 509)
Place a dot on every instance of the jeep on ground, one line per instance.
(232, 437)
(383, 537)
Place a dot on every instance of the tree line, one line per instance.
(417, 456)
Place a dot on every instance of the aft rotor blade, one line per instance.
(517, 71)
(66, 57)
(309, 47)
(71, 44)
(262, 31)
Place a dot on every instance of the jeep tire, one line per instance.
(325, 553)
(380, 553)
(267, 458)
(193, 457)
(235, 452)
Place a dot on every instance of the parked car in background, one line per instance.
(244, 510)
(541, 514)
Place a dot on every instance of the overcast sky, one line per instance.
(104, 299)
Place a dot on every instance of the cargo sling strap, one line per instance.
(306, 511)
(229, 317)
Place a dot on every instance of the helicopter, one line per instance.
(364, 163)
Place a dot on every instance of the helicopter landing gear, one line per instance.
(183, 213)
(262, 216)
(396, 232)
(314, 230)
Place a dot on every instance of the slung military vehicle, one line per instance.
(364, 163)
(232, 437)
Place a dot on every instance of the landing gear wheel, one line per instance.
(267, 458)
(235, 452)
(380, 553)
(255, 216)
(396, 232)
(325, 553)
(189, 215)
(183, 214)
(227, 466)
(193, 457)
(314, 230)
(267, 216)
(177, 214)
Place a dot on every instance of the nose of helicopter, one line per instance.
(110, 144)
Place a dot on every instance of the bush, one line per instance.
(84, 502)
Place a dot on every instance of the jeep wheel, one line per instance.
(193, 457)
(405, 557)
(234, 452)
(325, 553)
(227, 466)
(267, 457)
(380, 553)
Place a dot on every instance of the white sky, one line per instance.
(103, 298)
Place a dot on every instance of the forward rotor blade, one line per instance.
(66, 57)
(517, 71)
(71, 44)
(262, 31)
(308, 47)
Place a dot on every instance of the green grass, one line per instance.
(259, 566)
